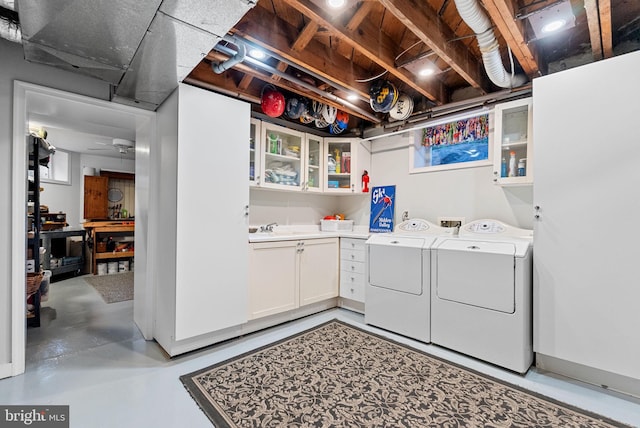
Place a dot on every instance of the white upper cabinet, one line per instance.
(286, 159)
(513, 151)
(342, 171)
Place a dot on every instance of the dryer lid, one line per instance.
(514, 248)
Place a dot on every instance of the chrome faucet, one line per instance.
(268, 227)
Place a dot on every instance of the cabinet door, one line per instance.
(512, 159)
(343, 172)
(95, 197)
(313, 164)
(273, 277)
(282, 157)
(254, 153)
(318, 270)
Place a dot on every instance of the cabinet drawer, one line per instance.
(352, 255)
(352, 244)
(352, 286)
(347, 267)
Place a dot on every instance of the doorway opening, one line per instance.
(81, 115)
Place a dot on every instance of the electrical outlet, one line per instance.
(451, 221)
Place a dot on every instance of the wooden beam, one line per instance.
(502, 13)
(305, 36)
(421, 20)
(214, 56)
(593, 21)
(605, 28)
(264, 29)
(369, 41)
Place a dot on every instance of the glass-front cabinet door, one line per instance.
(254, 153)
(512, 160)
(340, 165)
(282, 157)
(314, 164)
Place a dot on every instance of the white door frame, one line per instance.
(25, 98)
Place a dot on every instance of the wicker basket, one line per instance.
(33, 282)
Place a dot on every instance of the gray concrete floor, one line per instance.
(89, 355)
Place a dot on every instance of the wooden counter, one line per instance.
(116, 228)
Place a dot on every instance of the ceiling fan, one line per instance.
(120, 145)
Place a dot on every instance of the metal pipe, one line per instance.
(8, 4)
(309, 72)
(10, 30)
(240, 55)
(227, 51)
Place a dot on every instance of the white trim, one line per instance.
(23, 95)
(18, 228)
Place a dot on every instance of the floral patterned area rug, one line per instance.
(337, 375)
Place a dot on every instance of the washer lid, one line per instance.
(515, 248)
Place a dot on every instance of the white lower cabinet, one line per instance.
(352, 268)
(285, 275)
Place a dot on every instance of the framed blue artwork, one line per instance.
(383, 202)
(459, 143)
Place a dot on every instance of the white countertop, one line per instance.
(288, 233)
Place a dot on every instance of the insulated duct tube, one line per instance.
(473, 15)
(221, 67)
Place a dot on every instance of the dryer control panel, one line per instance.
(494, 229)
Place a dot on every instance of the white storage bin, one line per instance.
(336, 225)
(112, 267)
(102, 268)
(123, 266)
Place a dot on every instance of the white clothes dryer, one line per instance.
(481, 293)
(398, 266)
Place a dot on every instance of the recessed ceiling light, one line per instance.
(336, 3)
(352, 97)
(554, 26)
(257, 54)
(426, 72)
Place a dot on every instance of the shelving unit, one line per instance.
(57, 239)
(34, 223)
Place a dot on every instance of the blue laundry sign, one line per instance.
(382, 208)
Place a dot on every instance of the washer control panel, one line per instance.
(420, 226)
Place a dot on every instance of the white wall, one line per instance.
(289, 208)
(14, 67)
(467, 192)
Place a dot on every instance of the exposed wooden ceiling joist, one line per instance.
(605, 28)
(424, 23)
(593, 21)
(503, 15)
(316, 57)
(373, 44)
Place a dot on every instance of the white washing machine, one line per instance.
(398, 266)
(481, 293)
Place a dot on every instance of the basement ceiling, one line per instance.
(316, 52)
(345, 50)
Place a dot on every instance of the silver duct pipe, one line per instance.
(10, 30)
(471, 12)
(8, 4)
(221, 67)
(225, 50)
